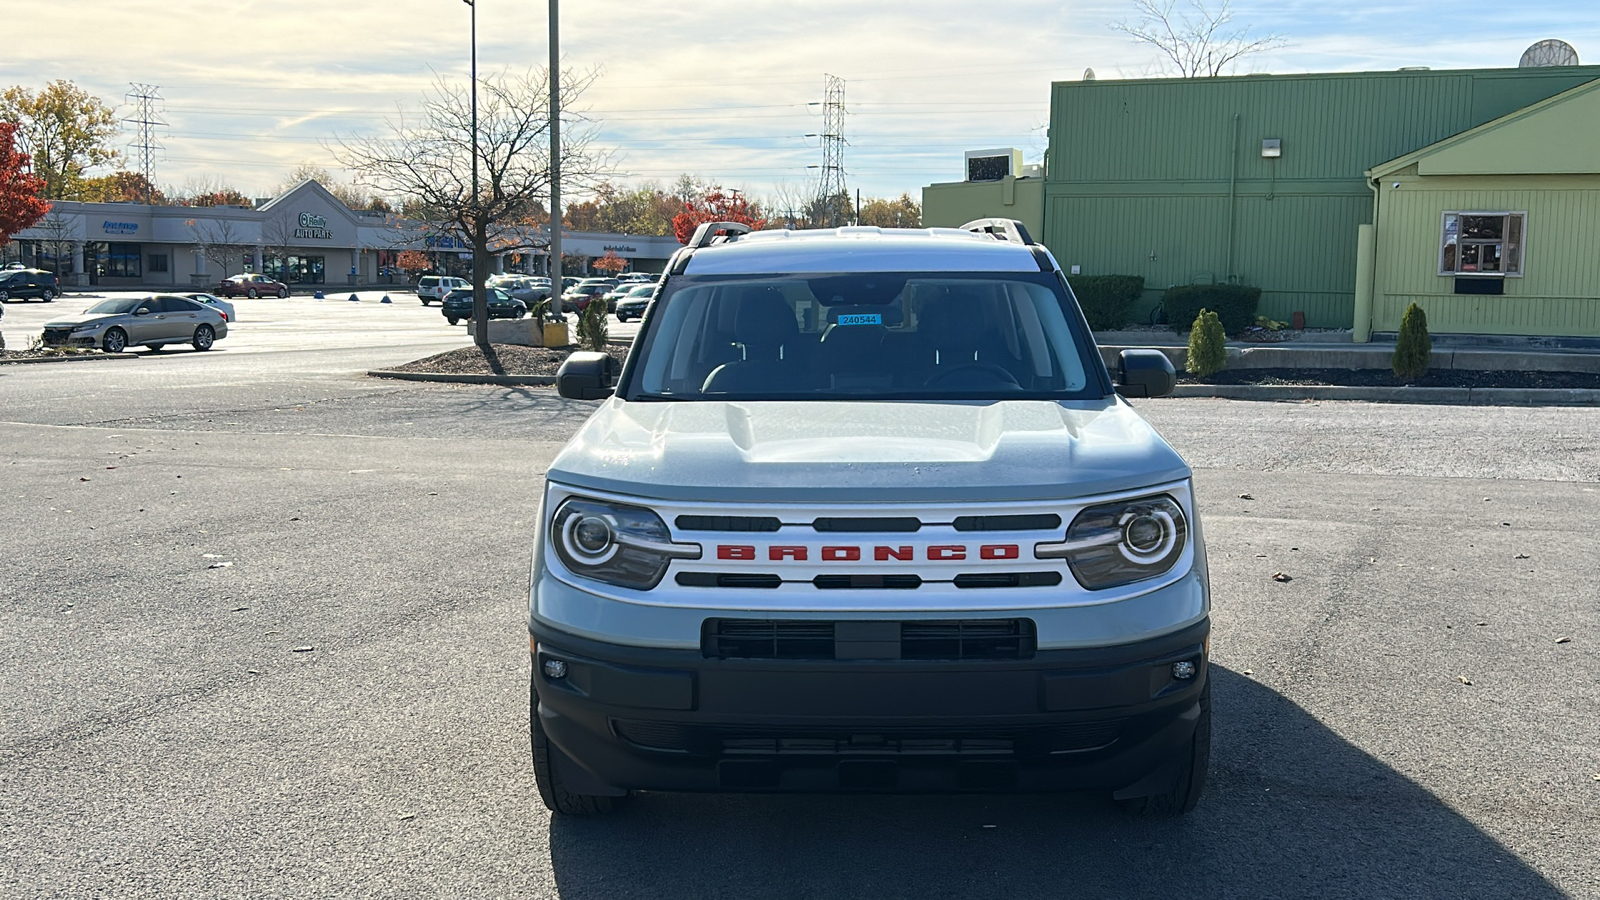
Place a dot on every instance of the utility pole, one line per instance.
(145, 118)
(480, 265)
(556, 288)
(832, 190)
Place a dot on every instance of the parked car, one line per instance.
(616, 294)
(252, 286)
(896, 519)
(25, 284)
(528, 290)
(457, 305)
(578, 297)
(433, 288)
(633, 304)
(153, 321)
(218, 302)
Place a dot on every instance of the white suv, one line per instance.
(433, 288)
(864, 510)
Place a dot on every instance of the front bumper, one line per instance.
(654, 719)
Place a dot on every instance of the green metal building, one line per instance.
(1268, 180)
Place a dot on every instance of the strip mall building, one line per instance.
(305, 237)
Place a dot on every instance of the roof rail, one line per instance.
(707, 233)
(1001, 229)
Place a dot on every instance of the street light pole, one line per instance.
(555, 158)
(480, 306)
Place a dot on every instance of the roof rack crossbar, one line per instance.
(1001, 229)
(708, 233)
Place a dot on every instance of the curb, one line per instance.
(1452, 396)
(500, 380)
(63, 359)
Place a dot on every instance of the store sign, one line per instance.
(620, 248)
(445, 242)
(314, 227)
(121, 227)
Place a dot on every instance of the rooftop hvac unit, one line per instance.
(993, 165)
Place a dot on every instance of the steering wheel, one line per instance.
(994, 373)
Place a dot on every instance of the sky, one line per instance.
(723, 91)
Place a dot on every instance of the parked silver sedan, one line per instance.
(153, 321)
(218, 302)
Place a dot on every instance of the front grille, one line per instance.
(1041, 522)
(926, 640)
(1008, 579)
(728, 523)
(868, 582)
(57, 335)
(873, 525)
(968, 639)
(711, 740)
(728, 580)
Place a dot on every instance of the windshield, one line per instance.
(107, 307)
(864, 337)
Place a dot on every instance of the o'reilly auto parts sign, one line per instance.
(314, 227)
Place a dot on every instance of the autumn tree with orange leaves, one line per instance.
(716, 206)
(21, 206)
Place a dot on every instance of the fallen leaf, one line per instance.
(240, 608)
(110, 467)
(1279, 576)
(306, 649)
(1464, 679)
(1522, 556)
(221, 565)
(82, 478)
(408, 816)
(1480, 624)
(1246, 497)
(1248, 672)
(1563, 640)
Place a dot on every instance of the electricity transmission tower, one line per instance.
(832, 189)
(145, 118)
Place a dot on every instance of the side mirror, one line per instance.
(587, 376)
(141, 311)
(1145, 373)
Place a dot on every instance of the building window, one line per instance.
(157, 263)
(296, 269)
(1482, 243)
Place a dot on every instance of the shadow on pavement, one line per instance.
(1291, 810)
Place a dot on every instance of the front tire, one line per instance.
(204, 337)
(1192, 765)
(283, 294)
(115, 340)
(552, 789)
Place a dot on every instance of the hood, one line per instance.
(80, 319)
(829, 451)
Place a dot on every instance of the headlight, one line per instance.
(1119, 543)
(628, 546)
(89, 326)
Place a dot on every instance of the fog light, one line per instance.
(1183, 671)
(555, 668)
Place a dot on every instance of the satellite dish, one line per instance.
(1548, 53)
(1088, 74)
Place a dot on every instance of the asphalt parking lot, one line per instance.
(262, 622)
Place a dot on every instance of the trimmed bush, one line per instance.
(1208, 350)
(592, 325)
(1413, 349)
(1234, 304)
(1106, 299)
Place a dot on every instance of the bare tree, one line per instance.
(58, 232)
(278, 240)
(426, 162)
(1198, 41)
(222, 243)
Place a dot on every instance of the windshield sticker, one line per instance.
(861, 319)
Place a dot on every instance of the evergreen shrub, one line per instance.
(1413, 349)
(1234, 304)
(1208, 349)
(1106, 299)
(592, 325)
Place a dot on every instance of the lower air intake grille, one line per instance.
(956, 639)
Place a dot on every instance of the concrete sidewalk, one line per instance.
(1501, 354)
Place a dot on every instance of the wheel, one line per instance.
(115, 341)
(546, 775)
(1194, 762)
(251, 293)
(283, 294)
(48, 295)
(156, 348)
(204, 336)
(451, 319)
(5, 297)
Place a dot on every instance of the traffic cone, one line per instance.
(385, 299)
(317, 296)
(354, 299)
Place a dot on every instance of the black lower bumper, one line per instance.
(1101, 718)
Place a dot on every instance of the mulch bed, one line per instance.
(1459, 378)
(503, 359)
(19, 355)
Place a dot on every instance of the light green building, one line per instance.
(1268, 180)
